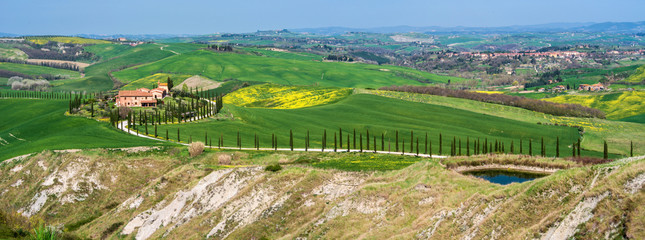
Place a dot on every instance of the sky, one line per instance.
(68, 17)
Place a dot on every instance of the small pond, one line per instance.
(504, 177)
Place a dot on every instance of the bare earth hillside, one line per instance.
(153, 194)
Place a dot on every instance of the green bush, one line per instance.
(273, 168)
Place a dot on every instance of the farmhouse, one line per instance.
(142, 97)
(593, 87)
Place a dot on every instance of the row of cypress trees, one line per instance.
(417, 145)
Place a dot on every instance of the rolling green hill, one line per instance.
(28, 126)
(378, 115)
(35, 70)
(222, 66)
(96, 76)
(617, 134)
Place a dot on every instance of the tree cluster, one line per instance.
(68, 66)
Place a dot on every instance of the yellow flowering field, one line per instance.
(74, 40)
(615, 105)
(490, 92)
(285, 97)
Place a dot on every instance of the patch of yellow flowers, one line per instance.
(285, 97)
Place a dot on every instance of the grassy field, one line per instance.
(74, 40)
(285, 97)
(638, 76)
(379, 115)
(615, 105)
(29, 126)
(38, 70)
(150, 82)
(617, 134)
(222, 66)
(97, 78)
(284, 54)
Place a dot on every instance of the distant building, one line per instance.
(121, 39)
(593, 87)
(142, 97)
(559, 88)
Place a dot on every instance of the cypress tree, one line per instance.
(573, 149)
(92, 107)
(542, 148)
(354, 138)
(335, 143)
(403, 146)
(496, 147)
(430, 148)
(324, 140)
(440, 144)
(396, 142)
(426, 144)
(521, 146)
(205, 135)
(272, 140)
(460, 147)
(307, 141)
(631, 148)
(452, 148)
(417, 146)
(374, 137)
(178, 139)
(340, 136)
(605, 151)
(485, 146)
(221, 140)
(360, 139)
(411, 141)
(557, 147)
(145, 117)
(291, 139)
(166, 134)
(348, 150)
(512, 149)
(578, 148)
(367, 137)
(467, 146)
(530, 147)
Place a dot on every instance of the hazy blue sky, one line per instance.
(195, 16)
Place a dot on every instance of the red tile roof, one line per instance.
(130, 93)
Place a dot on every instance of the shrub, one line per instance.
(44, 233)
(224, 159)
(196, 148)
(273, 168)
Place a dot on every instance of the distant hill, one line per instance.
(7, 34)
(613, 27)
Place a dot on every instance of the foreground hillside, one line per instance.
(163, 193)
